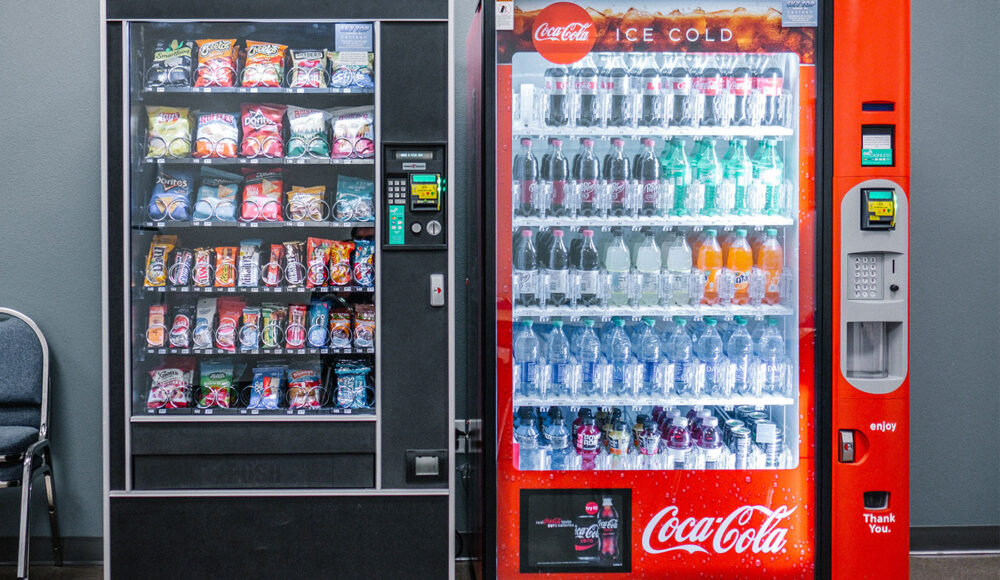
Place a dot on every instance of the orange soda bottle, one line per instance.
(710, 262)
(771, 259)
(739, 260)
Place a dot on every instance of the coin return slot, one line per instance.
(876, 500)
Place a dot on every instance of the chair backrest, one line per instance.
(24, 372)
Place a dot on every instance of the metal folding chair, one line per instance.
(24, 422)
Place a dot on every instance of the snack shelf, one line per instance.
(260, 289)
(646, 401)
(238, 224)
(636, 132)
(260, 351)
(635, 223)
(638, 312)
(262, 90)
(244, 414)
(257, 161)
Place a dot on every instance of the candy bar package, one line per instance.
(265, 65)
(179, 272)
(340, 328)
(272, 324)
(304, 385)
(363, 260)
(216, 388)
(295, 332)
(352, 390)
(262, 196)
(156, 260)
(250, 329)
(204, 324)
(307, 133)
(319, 313)
(225, 266)
(318, 257)
(353, 132)
(171, 194)
(230, 312)
(171, 385)
(202, 273)
(217, 136)
(351, 70)
(180, 331)
(355, 199)
(262, 130)
(272, 275)
(295, 267)
(217, 195)
(249, 265)
(216, 62)
(308, 69)
(171, 64)
(364, 325)
(169, 132)
(340, 262)
(307, 204)
(265, 390)
(156, 327)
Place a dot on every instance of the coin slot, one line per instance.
(876, 500)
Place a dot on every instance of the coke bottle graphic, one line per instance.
(526, 271)
(618, 177)
(679, 90)
(769, 84)
(708, 84)
(649, 178)
(557, 268)
(617, 90)
(587, 539)
(557, 113)
(650, 114)
(526, 180)
(739, 81)
(585, 86)
(558, 175)
(607, 524)
(587, 176)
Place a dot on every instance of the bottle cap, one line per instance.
(557, 323)
(525, 233)
(772, 322)
(525, 141)
(771, 142)
(640, 419)
(527, 323)
(524, 412)
(588, 322)
(741, 233)
(704, 413)
(711, 233)
(649, 321)
(606, 501)
(587, 233)
(587, 142)
(557, 142)
(557, 233)
(709, 422)
(681, 321)
(617, 142)
(740, 321)
(647, 142)
(772, 232)
(584, 412)
(680, 422)
(619, 322)
(711, 321)
(588, 421)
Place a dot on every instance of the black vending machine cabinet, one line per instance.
(279, 384)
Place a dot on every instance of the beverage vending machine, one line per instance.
(693, 295)
(277, 237)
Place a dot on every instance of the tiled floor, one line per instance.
(963, 567)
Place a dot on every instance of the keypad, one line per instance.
(866, 277)
(396, 188)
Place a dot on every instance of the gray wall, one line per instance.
(50, 246)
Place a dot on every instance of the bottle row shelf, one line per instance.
(256, 224)
(260, 289)
(259, 351)
(755, 457)
(259, 161)
(604, 313)
(665, 132)
(261, 90)
(635, 403)
(242, 414)
(726, 222)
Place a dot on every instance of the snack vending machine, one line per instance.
(277, 234)
(694, 288)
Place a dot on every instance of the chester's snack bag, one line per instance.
(216, 62)
(171, 385)
(265, 66)
(340, 328)
(156, 261)
(317, 256)
(363, 260)
(265, 391)
(169, 133)
(218, 134)
(295, 333)
(249, 269)
(156, 328)
(364, 326)
(171, 64)
(225, 266)
(230, 311)
(352, 384)
(216, 388)
(262, 130)
(272, 270)
(306, 203)
(308, 68)
(250, 329)
(202, 273)
(340, 263)
(295, 268)
(304, 386)
(204, 323)
(180, 332)
(319, 312)
(262, 196)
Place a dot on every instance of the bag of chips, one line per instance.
(363, 260)
(304, 386)
(352, 384)
(230, 312)
(218, 135)
(318, 258)
(295, 333)
(250, 329)
(340, 328)
(295, 267)
(364, 325)
(180, 331)
(319, 313)
(216, 62)
(353, 133)
(340, 263)
(249, 266)
(171, 64)
(308, 69)
(262, 196)
(225, 266)
(265, 65)
(201, 275)
(272, 320)
(217, 195)
(307, 133)
(169, 132)
(273, 270)
(171, 195)
(352, 70)
(204, 324)
(171, 385)
(156, 260)
(216, 389)
(262, 130)
(156, 328)
(265, 391)
(355, 201)
(307, 204)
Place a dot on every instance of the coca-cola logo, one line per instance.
(563, 33)
(739, 531)
(586, 533)
(591, 508)
(608, 524)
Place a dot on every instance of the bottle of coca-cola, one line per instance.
(587, 176)
(619, 176)
(650, 108)
(585, 83)
(769, 84)
(526, 180)
(739, 81)
(648, 171)
(678, 91)
(617, 92)
(557, 111)
(556, 178)
(708, 84)
(607, 524)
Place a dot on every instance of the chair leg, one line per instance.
(23, 556)
(50, 496)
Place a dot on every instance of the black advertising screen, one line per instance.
(576, 530)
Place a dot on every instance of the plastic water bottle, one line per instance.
(676, 171)
(620, 352)
(647, 171)
(739, 349)
(526, 357)
(649, 354)
(710, 353)
(706, 171)
(526, 178)
(679, 352)
(560, 443)
(678, 265)
(589, 356)
(678, 443)
(618, 264)
(647, 261)
(772, 354)
(737, 169)
(588, 270)
(769, 170)
(710, 443)
(526, 270)
(558, 359)
(531, 456)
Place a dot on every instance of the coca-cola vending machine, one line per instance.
(693, 294)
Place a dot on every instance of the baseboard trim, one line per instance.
(76, 550)
(955, 539)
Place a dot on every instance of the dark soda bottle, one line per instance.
(526, 180)
(709, 84)
(650, 111)
(679, 90)
(618, 89)
(557, 268)
(769, 84)
(546, 161)
(587, 268)
(526, 270)
(618, 177)
(739, 82)
(585, 86)
(557, 112)
(649, 178)
(587, 176)
(558, 176)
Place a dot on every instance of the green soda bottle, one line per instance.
(675, 170)
(706, 171)
(736, 168)
(769, 170)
